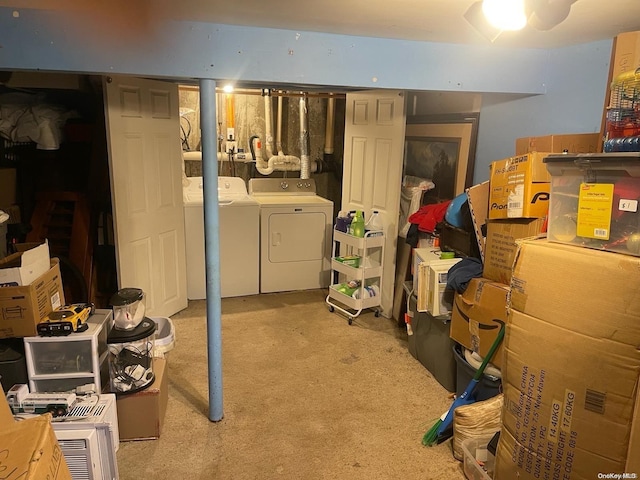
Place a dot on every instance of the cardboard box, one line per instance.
(571, 143)
(141, 414)
(519, 187)
(477, 316)
(626, 55)
(22, 308)
(23, 267)
(501, 245)
(571, 394)
(29, 449)
(478, 198)
(7, 187)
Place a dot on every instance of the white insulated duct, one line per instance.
(329, 129)
(304, 140)
(280, 161)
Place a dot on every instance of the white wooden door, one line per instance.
(372, 171)
(146, 188)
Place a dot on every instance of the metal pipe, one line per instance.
(212, 246)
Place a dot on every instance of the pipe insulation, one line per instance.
(268, 123)
(279, 127)
(304, 140)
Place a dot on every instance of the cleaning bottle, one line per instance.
(357, 224)
(375, 224)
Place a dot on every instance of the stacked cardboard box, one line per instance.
(29, 448)
(571, 365)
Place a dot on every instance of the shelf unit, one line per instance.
(60, 364)
(370, 249)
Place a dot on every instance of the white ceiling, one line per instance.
(420, 20)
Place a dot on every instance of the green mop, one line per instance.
(442, 428)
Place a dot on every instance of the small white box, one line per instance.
(423, 256)
(33, 263)
(438, 274)
(427, 284)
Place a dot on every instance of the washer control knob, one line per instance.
(300, 184)
(284, 185)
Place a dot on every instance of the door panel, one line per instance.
(374, 147)
(296, 237)
(146, 184)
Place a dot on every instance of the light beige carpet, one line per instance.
(306, 396)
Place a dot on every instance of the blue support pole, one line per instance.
(208, 124)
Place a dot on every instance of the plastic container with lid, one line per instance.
(595, 200)
(130, 357)
(128, 308)
(375, 225)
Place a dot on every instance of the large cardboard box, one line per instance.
(22, 308)
(519, 187)
(477, 316)
(29, 449)
(141, 414)
(572, 365)
(626, 55)
(571, 143)
(7, 187)
(23, 267)
(501, 245)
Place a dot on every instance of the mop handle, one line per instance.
(489, 356)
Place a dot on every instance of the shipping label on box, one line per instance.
(519, 187)
(571, 143)
(501, 245)
(477, 316)
(22, 308)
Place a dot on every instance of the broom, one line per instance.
(438, 432)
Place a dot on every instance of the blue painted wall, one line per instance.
(525, 91)
(574, 102)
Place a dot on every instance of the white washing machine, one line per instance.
(295, 234)
(239, 220)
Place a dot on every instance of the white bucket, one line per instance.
(165, 336)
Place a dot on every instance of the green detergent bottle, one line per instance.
(357, 224)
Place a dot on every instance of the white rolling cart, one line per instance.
(366, 271)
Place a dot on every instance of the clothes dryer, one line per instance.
(239, 238)
(295, 234)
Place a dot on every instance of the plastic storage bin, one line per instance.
(58, 364)
(595, 200)
(431, 345)
(130, 357)
(475, 450)
(165, 336)
(488, 386)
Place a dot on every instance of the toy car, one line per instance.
(66, 320)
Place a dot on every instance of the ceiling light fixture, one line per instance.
(492, 17)
(505, 14)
